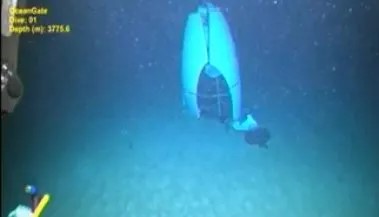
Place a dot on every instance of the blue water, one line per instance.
(101, 128)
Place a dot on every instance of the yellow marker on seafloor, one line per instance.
(41, 205)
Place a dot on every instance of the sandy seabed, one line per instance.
(194, 168)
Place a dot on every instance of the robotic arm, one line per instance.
(11, 85)
(11, 94)
(11, 89)
(21, 211)
(38, 203)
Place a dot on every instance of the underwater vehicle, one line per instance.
(6, 13)
(11, 94)
(11, 85)
(210, 72)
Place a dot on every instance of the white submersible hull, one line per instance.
(208, 49)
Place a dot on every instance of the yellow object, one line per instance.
(41, 205)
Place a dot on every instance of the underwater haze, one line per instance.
(101, 126)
